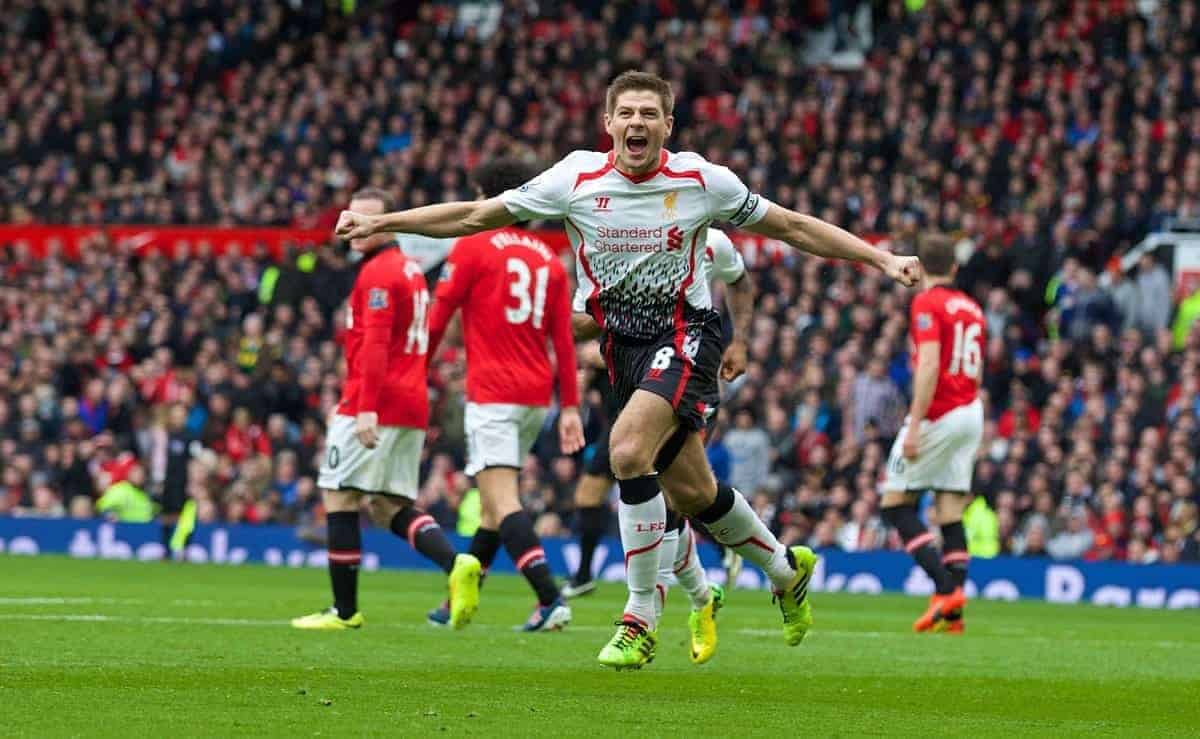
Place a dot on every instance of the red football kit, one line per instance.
(514, 296)
(953, 319)
(386, 339)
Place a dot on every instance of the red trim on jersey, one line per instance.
(952, 557)
(917, 542)
(530, 555)
(638, 179)
(416, 525)
(662, 594)
(755, 541)
(608, 360)
(681, 325)
(693, 174)
(593, 301)
(583, 177)
(642, 550)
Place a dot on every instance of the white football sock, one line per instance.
(642, 527)
(742, 530)
(666, 563)
(688, 570)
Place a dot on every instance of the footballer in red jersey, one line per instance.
(375, 435)
(515, 301)
(935, 449)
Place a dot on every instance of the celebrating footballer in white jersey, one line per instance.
(637, 217)
(721, 262)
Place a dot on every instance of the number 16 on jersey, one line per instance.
(967, 355)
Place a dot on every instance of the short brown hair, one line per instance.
(634, 80)
(376, 193)
(508, 173)
(936, 252)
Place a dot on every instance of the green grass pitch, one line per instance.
(91, 648)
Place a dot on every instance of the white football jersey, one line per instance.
(428, 251)
(723, 262)
(639, 241)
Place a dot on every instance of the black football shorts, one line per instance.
(681, 366)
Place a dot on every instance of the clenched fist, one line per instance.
(733, 361)
(351, 225)
(905, 270)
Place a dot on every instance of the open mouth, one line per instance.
(636, 145)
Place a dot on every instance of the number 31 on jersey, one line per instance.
(530, 302)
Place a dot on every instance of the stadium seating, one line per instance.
(1046, 141)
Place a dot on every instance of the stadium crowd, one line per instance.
(1046, 140)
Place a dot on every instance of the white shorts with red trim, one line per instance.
(500, 434)
(946, 458)
(391, 468)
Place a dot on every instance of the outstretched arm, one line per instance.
(443, 220)
(827, 240)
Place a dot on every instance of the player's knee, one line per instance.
(950, 507)
(339, 501)
(631, 457)
(496, 505)
(382, 511)
(504, 507)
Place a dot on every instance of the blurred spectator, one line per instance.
(983, 527)
(864, 531)
(1074, 540)
(1153, 306)
(749, 449)
(875, 402)
(1032, 543)
(125, 501)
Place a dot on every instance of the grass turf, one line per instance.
(96, 648)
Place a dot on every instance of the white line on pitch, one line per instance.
(100, 617)
(44, 601)
(416, 626)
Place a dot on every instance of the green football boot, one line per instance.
(702, 624)
(793, 599)
(631, 648)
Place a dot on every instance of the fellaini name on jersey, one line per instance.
(956, 304)
(507, 238)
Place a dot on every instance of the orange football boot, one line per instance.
(939, 606)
